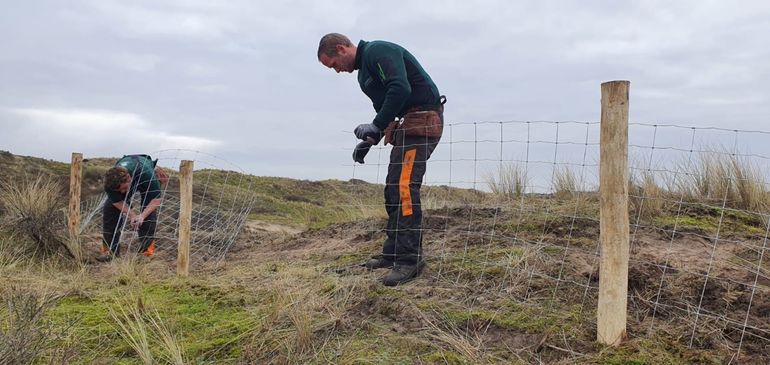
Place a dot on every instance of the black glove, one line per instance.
(368, 132)
(362, 148)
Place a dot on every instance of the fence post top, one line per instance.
(616, 81)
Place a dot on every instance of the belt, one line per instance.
(434, 107)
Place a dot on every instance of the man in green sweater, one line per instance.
(409, 115)
(131, 174)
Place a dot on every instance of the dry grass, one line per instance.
(510, 182)
(719, 177)
(707, 179)
(11, 255)
(458, 340)
(33, 209)
(441, 197)
(565, 183)
(715, 177)
(712, 178)
(147, 334)
(750, 184)
(25, 337)
(172, 351)
(130, 268)
(290, 310)
(292, 329)
(646, 197)
(132, 328)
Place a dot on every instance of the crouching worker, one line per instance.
(131, 173)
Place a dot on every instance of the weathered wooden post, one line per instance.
(76, 179)
(613, 197)
(185, 217)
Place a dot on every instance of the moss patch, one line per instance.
(731, 222)
(488, 261)
(525, 318)
(209, 321)
(654, 351)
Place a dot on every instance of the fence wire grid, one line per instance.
(222, 201)
(699, 208)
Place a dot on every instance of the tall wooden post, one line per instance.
(185, 217)
(613, 225)
(76, 178)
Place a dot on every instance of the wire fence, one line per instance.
(222, 201)
(523, 237)
(699, 208)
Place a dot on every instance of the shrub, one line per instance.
(26, 338)
(33, 211)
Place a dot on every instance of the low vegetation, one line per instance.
(33, 214)
(509, 182)
(511, 283)
(26, 335)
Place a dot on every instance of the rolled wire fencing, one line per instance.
(222, 201)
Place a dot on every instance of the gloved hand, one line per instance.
(368, 132)
(362, 148)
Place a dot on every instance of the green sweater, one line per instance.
(393, 79)
(143, 179)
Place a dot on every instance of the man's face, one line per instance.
(124, 187)
(343, 61)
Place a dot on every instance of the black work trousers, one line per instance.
(408, 160)
(113, 223)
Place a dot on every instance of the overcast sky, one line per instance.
(240, 79)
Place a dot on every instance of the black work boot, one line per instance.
(403, 273)
(378, 262)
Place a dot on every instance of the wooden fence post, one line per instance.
(185, 217)
(613, 225)
(76, 178)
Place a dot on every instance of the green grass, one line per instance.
(507, 314)
(374, 348)
(655, 351)
(211, 321)
(445, 357)
(727, 221)
(487, 261)
(350, 259)
(289, 309)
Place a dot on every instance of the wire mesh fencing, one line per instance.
(527, 241)
(221, 203)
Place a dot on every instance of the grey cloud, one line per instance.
(245, 73)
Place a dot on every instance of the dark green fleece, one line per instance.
(393, 79)
(143, 179)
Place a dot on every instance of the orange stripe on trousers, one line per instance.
(403, 184)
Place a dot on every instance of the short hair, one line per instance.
(329, 42)
(114, 177)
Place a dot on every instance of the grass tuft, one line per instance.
(565, 183)
(510, 182)
(646, 197)
(146, 333)
(33, 211)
